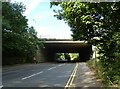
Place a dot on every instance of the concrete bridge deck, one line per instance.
(51, 47)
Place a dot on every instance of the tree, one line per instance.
(89, 21)
(19, 41)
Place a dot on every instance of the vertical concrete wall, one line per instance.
(85, 53)
(44, 55)
(40, 55)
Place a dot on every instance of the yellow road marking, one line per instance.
(72, 76)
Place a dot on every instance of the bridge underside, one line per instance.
(51, 49)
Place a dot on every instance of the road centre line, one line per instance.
(72, 76)
(32, 75)
(40, 72)
(1, 86)
(51, 68)
(55, 66)
(61, 65)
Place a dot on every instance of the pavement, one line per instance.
(85, 78)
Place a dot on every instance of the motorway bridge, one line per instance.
(51, 74)
(53, 46)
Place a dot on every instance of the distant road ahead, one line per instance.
(37, 75)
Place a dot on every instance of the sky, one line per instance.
(41, 17)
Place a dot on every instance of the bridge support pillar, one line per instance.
(81, 56)
(44, 55)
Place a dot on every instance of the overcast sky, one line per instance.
(41, 17)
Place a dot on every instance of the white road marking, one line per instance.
(51, 68)
(61, 64)
(1, 86)
(32, 75)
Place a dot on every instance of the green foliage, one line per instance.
(89, 21)
(74, 56)
(58, 55)
(19, 40)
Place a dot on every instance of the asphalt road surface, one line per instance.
(37, 75)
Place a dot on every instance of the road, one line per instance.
(37, 75)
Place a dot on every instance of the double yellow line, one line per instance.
(72, 76)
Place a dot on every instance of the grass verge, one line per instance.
(104, 75)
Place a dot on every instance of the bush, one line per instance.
(110, 75)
